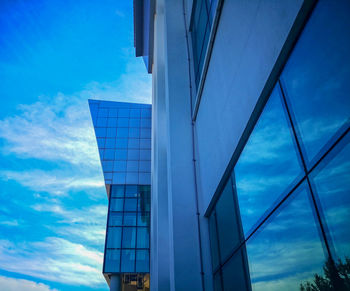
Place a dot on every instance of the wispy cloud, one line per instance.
(54, 259)
(12, 284)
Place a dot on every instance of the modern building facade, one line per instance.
(123, 134)
(250, 143)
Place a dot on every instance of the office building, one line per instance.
(123, 134)
(250, 143)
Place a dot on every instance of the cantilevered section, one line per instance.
(123, 134)
(144, 30)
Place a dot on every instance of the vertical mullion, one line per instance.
(219, 252)
(121, 242)
(318, 214)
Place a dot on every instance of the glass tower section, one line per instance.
(123, 134)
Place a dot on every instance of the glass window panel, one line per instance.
(217, 282)
(112, 122)
(123, 112)
(133, 143)
(146, 113)
(227, 224)
(109, 154)
(135, 112)
(145, 166)
(101, 152)
(129, 218)
(128, 261)
(107, 166)
(142, 237)
(133, 166)
(134, 122)
(133, 154)
(101, 122)
(114, 237)
(144, 202)
(121, 143)
(331, 183)
(110, 143)
(111, 131)
(143, 219)
(100, 131)
(129, 237)
(123, 122)
(115, 219)
(130, 204)
(112, 261)
(233, 273)
(144, 178)
(117, 191)
(117, 204)
(108, 176)
(120, 154)
(131, 191)
(145, 133)
(287, 250)
(146, 122)
(101, 142)
(145, 143)
(317, 77)
(142, 261)
(119, 166)
(123, 132)
(119, 178)
(103, 112)
(134, 132)
(269, 164)
(132, 178)
(113, 112)
(145, 155)
(213, 241)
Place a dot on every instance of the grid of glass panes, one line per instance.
(128, 226)
(202, 20)
(123, 133)
(282, 221)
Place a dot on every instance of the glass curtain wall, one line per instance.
(127, 239)
(282, 221)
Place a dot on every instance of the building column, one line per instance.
(115, 283)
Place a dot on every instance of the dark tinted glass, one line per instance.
(117, 204)
(331, 183)
(115, 219)
(114, 237)
(217, 282)
(228, 230)
(129, 219)
(143, 219)
(233, 273)
(142, 261)
(287, 250)
(317, 76)
(268, 165)
(112, 261)
(130, 204)
(128, 261)
(131, 191)
(117, 191)
(129, 237)
(213, 241)
(142, 237)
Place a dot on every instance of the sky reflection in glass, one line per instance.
(331, 182)
(316, 77)
(287, 250)
(268, 164)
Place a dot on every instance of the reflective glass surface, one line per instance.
(268, 165)
(331, 183)
(142, 261)
(128, 261)
(117, 204)
(214, 241)
(317, 77)
(112, 262)
(142, 237)
(287, 250)
(129, 237)
(227, 227)
(114, 237)
(116, 219)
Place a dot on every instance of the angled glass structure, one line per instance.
(123, 135)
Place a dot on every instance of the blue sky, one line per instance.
(54, 55)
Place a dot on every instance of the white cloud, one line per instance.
(54, 259)
(55, 182)
(12, 284)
